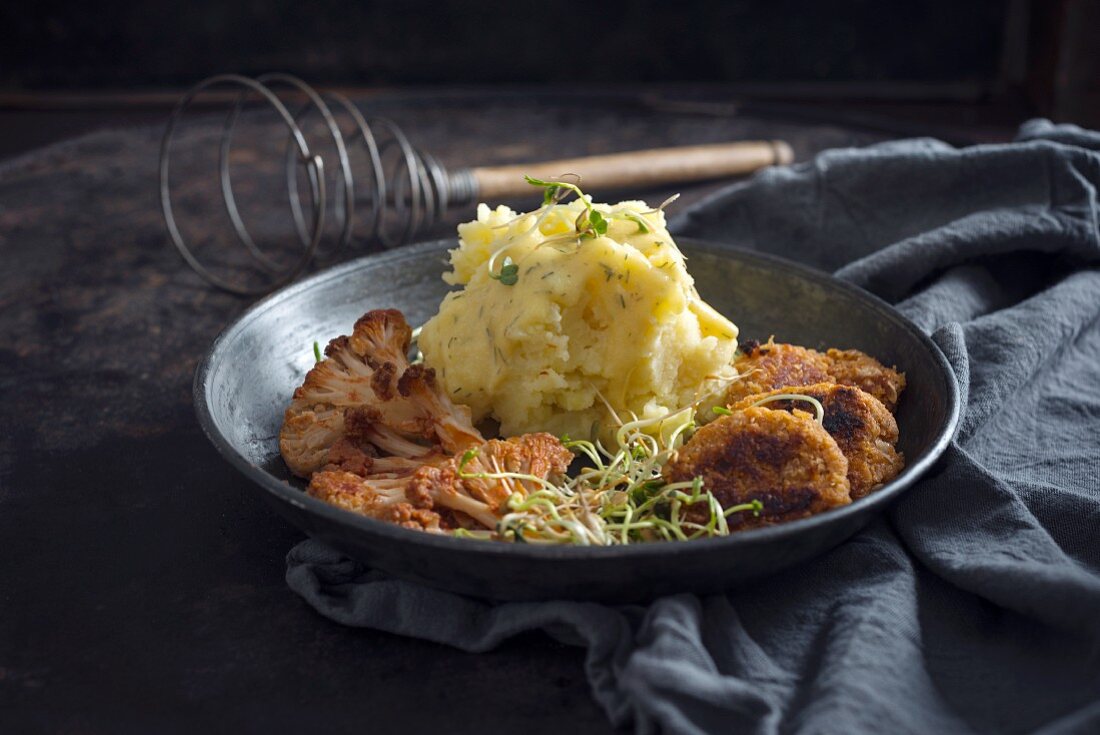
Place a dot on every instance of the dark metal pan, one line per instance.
(244, 384)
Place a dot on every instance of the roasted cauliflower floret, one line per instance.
(365, 390)
(382, 336)
(472, 485)
(539, 455)
(863, 429)
(380, 498)
(446, 492)
(351, 457)
(784, 460)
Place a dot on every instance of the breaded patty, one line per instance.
(785, 460)
(852, 367)
(767, 367)
(862, 427)
(764, 367)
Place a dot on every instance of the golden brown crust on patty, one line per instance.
(852, 367)
(863, 428)
(785, 460)
(763, 367)
(770, 366)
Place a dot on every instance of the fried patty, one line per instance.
(764, 367)
(785, 460)
(852, 367)
(863, 428)
(767, 367)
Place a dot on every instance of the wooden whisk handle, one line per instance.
(637, 169)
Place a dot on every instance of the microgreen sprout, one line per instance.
(551, 194)
(317, 352)
(665, 203)
(643, 228)
(753, 505)
(509, 273)
(555, 191)
(819, 410)
(590, 223)
(722, 411)
(467, 456)
(619, 496)
(484, 535)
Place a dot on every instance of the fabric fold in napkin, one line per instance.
(973, 605)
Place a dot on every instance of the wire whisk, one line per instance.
(406, 190)
(405, 193)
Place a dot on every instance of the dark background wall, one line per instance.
(389, 42)
(1003, 59)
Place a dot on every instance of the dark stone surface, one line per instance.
(142, 581)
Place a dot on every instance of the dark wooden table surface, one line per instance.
(142, 579)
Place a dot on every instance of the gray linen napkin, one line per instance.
(974, 605)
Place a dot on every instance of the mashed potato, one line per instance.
(612, 318)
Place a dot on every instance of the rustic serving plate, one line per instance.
(245, 382)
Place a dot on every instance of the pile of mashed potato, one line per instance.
(612, 318)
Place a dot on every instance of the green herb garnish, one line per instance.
(597, 224)
(620, 495)
(509, 273)
(590, 223)
(555, 191)
(753, 505)
(468, 455)
(317, 352)
(643, 228)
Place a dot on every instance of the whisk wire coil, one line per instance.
(404, 193)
